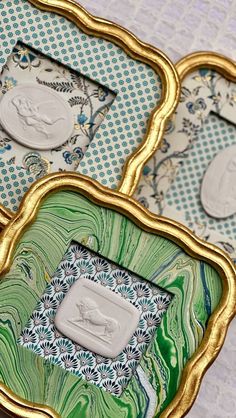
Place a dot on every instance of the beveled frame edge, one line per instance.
(13, 405)
(219, 321)
(141, 51)
(136, 49)
(207, 59)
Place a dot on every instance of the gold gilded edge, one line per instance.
(211, 60)
(5, 216)
(220, 63)
(143, 52)
(13, 405)
(182, 236)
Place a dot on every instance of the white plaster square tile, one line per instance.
(97, 318)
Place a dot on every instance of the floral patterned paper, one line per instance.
(89, 102)
(203, 92)
(41, 336)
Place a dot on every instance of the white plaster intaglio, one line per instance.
(170, 178)
(218, 192)
(36, 116)
(97, 318)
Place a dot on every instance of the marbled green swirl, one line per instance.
(67, 216)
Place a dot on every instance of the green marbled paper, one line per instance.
(67, 216)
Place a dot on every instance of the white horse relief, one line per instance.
(30, 115)
(94, 321)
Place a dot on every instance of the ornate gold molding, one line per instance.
(14, 405)
(142, 52)
(223, 65)
(195, 247)
(194, 61)
(138, 50)
(14, 225)
(5, 216)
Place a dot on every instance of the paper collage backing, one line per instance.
(136, 87)
(202, 126)
(41, 336)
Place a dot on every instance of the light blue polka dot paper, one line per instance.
(216, 134)
(136, 86)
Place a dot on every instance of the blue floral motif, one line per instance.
(121, 370)
(85, 359)
(79, 253)
(165, 145)
(142, 290)
(152, 320)
(35, 164)
(64, 346)
(106, 372)
(44, 334)
(85, 267)
(101, 93)
(126, 292)
(142, 337)
(90, 374)
(48, 349)
(170, 127)
(111, 387)
(70, 362)
(8, 84)
(121, 277)
(196, 106)
(28, 337)
(105, 279)
(73, 156)
(81, 119)
(146, 305)
(4, 145)
(101, 265)
(59, 287)
(25, 58)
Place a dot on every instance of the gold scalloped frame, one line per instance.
(195, 247)
(16, 224)
(223, 65)
(211, 60)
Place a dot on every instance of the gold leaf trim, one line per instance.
(182, 236)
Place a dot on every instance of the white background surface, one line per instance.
(179, 27)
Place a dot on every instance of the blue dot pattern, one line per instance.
(215, 135)
(15, 182)
(137, 86)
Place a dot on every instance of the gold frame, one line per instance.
(138, 50)
(195, 247)
(15, 224)
(225, 66)
(212, 60)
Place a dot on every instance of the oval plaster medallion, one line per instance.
(36, 116)
(218, 192)
(97, 318)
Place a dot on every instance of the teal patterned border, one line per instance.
(137, 86)
(170, 175)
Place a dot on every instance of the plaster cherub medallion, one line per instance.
(42, 118)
